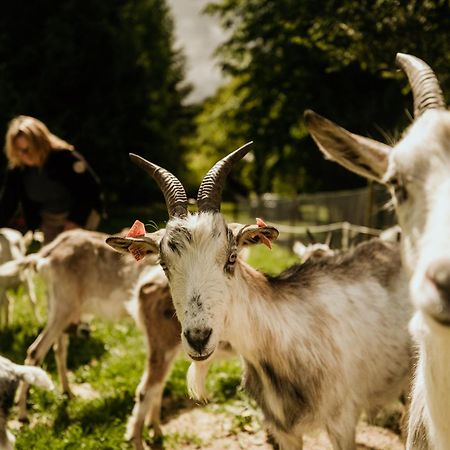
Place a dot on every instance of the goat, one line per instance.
(84, 277)
(314, 249)
(13, 246)
(417, 172)
(320, 342)
(10, 375)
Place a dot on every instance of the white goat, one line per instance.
(314, 249)
(13, 246)
(10, 375)
(320, 342)
(417, 172)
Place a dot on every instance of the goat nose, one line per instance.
(439, 273)
(198, 338)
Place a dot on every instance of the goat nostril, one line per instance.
(439, 273)
(198, 337)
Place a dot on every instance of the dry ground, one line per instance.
(206, 429)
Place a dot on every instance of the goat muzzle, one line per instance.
(198, 339)
(438, 277)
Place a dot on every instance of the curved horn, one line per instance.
(426, 91)
(210, 191)
(173, 190)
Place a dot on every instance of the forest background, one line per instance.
(107, 77)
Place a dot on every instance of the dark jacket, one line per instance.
(65, 168)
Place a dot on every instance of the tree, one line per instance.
(336, 57)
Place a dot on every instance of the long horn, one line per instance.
(210, 191)
(426, 91)
(173, 190)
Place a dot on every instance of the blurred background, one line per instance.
(183, 82)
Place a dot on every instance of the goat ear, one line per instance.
(256, 234)
(139, 247)
(358, 154)
(299, 249)
(235, 227)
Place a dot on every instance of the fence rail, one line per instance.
(346, 228)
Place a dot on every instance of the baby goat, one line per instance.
(10, 375)
(417, 172)
(320, 342)
(153, 310)
(314, 249)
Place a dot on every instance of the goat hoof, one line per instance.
(138, 444)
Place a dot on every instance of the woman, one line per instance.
(52, 182)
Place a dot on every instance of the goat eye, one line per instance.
(400, 190)
(232, 258)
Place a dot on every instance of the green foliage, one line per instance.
(272, 261)
(104, 76)
(284, 56)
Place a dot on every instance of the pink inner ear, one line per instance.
(260, 222)
(138, 229)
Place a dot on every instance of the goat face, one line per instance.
(417, 172)
(195, 254)
(419, 178)
(198, 253)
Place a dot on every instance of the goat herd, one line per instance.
(321, 342)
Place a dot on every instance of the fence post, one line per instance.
(293, 216)
(345, 235)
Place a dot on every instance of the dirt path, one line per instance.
(201, 429)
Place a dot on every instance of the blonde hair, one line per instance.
(41, 140)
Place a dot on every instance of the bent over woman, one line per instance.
(49, 179)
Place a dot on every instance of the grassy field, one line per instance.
(107, 366)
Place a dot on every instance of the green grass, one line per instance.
(111, 361)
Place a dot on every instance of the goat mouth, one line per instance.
(200, 357)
